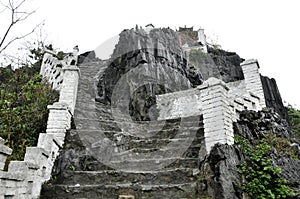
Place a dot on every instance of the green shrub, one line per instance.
(262, 179)
(294, 116)
(23, 107)
(282, 145)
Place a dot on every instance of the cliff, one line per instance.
(273, 97)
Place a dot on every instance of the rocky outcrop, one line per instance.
(157, 64)
(219, 177)
(273, 97)
(216, 63)
(268, 124)
(158, 49)
(228, 64)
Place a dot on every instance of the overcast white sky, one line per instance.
(265, 30)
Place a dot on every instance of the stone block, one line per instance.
(219, 105)
(212, 122)
(36, 155)
(59, 116)
(10, 191)
(51, 144)
(210, 94)
(213, 128)
(213, 114)
(213, 96)
(216, 136)
(18, 167)
(22, 190)
(126, 197)
(46, 141)
(59, 135)
(58, 125)
(11, 183)
(5, 150)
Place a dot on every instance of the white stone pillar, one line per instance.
(202, 39)
(252, 79)
(68, 92)
(59, 120)
(217, 112)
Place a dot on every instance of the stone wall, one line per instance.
(220, 103)
(24, 179)
(253, 80)
(179, 104)
(52, 69)
(216, 113)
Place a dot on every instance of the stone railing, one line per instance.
(24, 179)
(218, 102)
(52, 68)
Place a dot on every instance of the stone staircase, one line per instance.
(80, 173)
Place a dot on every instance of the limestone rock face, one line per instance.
(223, 165)
(135, 48)
(273, 97)
(219, 170)
(268, 124)
(157, 63)
(228, 64)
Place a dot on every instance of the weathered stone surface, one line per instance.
(228, 64)
(220, 170)
(252, 79)
(165, 65)
(258, 125)
(273, 97)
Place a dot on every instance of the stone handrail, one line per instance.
(24, 179)
(218, 102)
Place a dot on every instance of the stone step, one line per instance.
(126, 145)
(113, 132)
(156, 143)
(160, 153)
(133, 164)
(171, 176)
(138, 191)
(152, 134)
(104, 111)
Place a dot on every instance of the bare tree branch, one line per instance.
(5, 7)
(18, 38)
(20, 4)
(15, 18)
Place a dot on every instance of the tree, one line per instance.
(23, 95)
(23, 106)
